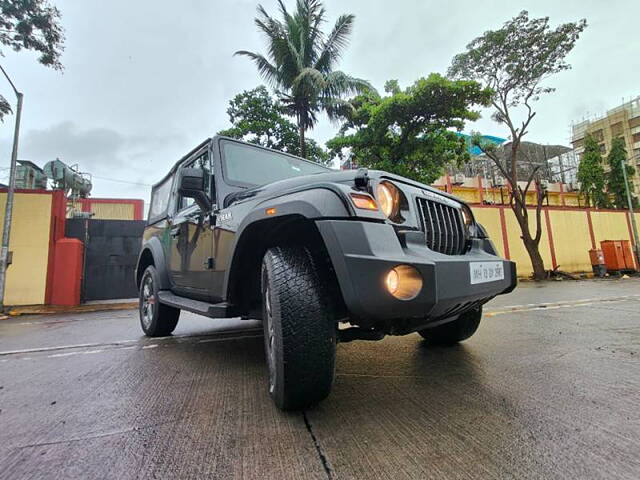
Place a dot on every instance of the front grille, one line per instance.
(443, 227)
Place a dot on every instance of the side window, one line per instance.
(201, 162)
(160, 199)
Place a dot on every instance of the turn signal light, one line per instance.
(364, 202)
(403, 282)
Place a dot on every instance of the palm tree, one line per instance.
(300, 61)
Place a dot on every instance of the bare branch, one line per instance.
(530, 179)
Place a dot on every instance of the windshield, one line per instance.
(247, 165)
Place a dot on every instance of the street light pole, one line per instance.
(8, 210)
(631, 213)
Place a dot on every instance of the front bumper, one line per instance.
(363, 252)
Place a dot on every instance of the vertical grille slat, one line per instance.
(447, 232)
(443, 227)
(451, 232)
(438, 224)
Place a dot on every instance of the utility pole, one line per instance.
(631, 213)
(8, 210)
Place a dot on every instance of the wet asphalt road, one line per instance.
(537, 393)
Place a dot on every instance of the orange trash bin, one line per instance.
(614, 255)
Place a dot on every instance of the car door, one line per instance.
(191, 239)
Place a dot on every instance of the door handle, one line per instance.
(175, 232)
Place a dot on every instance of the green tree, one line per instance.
(256, 117)
(591, 174)
(514, 61)
(408, 132)
(615, 178)
(300, 63)
(31, 25)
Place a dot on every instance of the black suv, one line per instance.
(321, 256)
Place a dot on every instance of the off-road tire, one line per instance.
(299, 328)
(161, 320)
(456, 331)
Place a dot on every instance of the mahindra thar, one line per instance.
(320, 256)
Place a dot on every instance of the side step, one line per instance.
(213, 310)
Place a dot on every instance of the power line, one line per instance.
(121, 181)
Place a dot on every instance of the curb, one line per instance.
(57, 309)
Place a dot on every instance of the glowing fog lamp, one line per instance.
(403, 282)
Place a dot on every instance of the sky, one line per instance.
(147, 80)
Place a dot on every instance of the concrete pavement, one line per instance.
(547, 392)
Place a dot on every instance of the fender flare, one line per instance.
(310, 204)
(154, 246)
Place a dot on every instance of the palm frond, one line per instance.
(336, 108)
(335, 42)
(339, 84)
(5, 108)
(268, 71)
(310, 80)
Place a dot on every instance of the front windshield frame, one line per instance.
(237, 183)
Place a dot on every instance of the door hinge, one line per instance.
(210, 263)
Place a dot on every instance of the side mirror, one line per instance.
(192, 185)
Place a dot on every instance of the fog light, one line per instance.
(403, 282)
(392, 281)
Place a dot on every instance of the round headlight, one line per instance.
(388, 198)
(467, 216)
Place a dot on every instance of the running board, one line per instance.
(213, 310)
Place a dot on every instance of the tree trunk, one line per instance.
(530, 244)
(533, 249)
(303, 144)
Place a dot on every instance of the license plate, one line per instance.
(483, 272)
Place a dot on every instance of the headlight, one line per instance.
(387, 195)
(391, 200)
(467, 216)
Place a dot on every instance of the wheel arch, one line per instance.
(243, 279)
(152, 253)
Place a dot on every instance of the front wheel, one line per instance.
(455, 331)
(156, 319)
(299, 328)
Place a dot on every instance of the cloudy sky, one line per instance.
(146, 80)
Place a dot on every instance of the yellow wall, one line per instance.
(105, 211)
(490, 220)
(516, 247)
(469, 196)
(29, 242)
(571, 240)
(570, 229)
(493, 195)
(610, 226)
(112, 211)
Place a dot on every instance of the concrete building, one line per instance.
(622, 121)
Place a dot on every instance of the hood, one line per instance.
(335, 176)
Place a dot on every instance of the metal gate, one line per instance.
(111, 250)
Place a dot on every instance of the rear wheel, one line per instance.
(156, 319)
(456, 331)
(299, 328)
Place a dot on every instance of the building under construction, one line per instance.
(622, 121)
